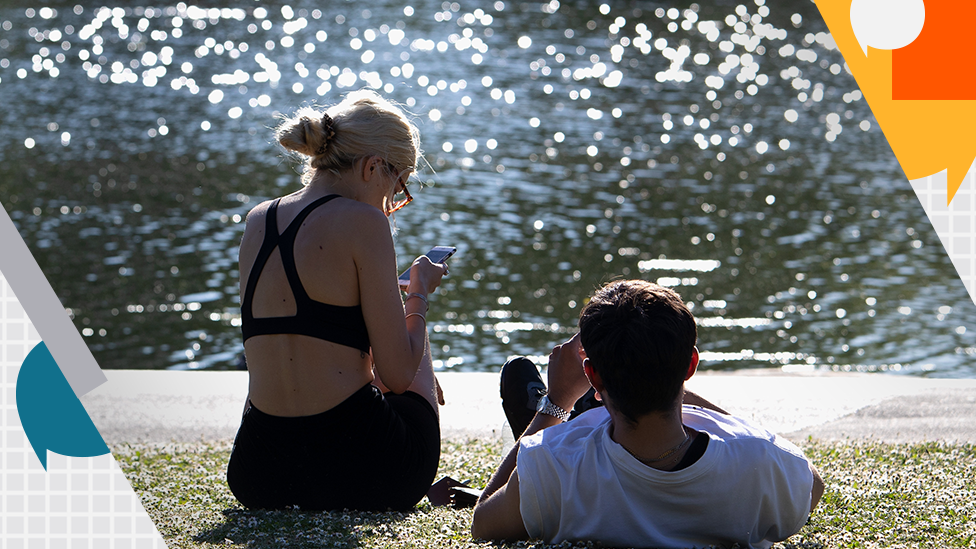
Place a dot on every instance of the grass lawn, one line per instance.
(877, 495)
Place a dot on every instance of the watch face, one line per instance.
(536, 390)
(542, 403)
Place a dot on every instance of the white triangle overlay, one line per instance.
(77, 502)
(954, 223)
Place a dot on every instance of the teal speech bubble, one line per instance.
(52, 416)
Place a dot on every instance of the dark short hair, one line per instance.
(639, 337)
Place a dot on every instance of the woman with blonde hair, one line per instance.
(326, 331)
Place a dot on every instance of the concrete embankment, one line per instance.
(165, 406)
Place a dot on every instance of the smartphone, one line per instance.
(437, 254)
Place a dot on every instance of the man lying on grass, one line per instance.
(656, 466)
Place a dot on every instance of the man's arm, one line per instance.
(818, 488)
(693, 399)
(497, 515)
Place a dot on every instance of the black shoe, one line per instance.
(586, 402)
(521, 388)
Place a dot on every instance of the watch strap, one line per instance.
(547, 407)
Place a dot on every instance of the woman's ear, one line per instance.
(371, 166)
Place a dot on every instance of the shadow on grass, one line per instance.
(293, 528)
(354, 530)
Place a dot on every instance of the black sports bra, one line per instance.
(342, 325)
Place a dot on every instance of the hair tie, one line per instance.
(329, 132)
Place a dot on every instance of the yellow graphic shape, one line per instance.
(927, 136)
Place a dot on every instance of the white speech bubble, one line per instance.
(886, 24)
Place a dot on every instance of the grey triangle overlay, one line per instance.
(45, 311)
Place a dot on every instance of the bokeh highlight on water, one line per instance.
(719, 148)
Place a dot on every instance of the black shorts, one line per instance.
(372, 452)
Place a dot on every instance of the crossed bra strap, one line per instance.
(338, 324)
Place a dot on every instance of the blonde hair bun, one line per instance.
(362, 124)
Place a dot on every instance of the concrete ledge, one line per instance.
(878, 407)
(154, 406)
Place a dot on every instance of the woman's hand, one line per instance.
(425, 276)
(440, 391)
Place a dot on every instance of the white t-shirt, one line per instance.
(576, 483)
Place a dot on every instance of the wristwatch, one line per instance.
(547, 407)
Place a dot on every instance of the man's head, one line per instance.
(639, 338)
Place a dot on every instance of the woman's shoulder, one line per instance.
(259, 211)
(256, 220)
(354, 208)
(357, 228)
(353, 217)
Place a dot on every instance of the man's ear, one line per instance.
(593, 377)
(693, 367)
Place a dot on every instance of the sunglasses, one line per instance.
(402, 196)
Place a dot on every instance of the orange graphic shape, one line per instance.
(939, 63)
(927, 136)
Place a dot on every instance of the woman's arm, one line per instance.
(397, 330)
